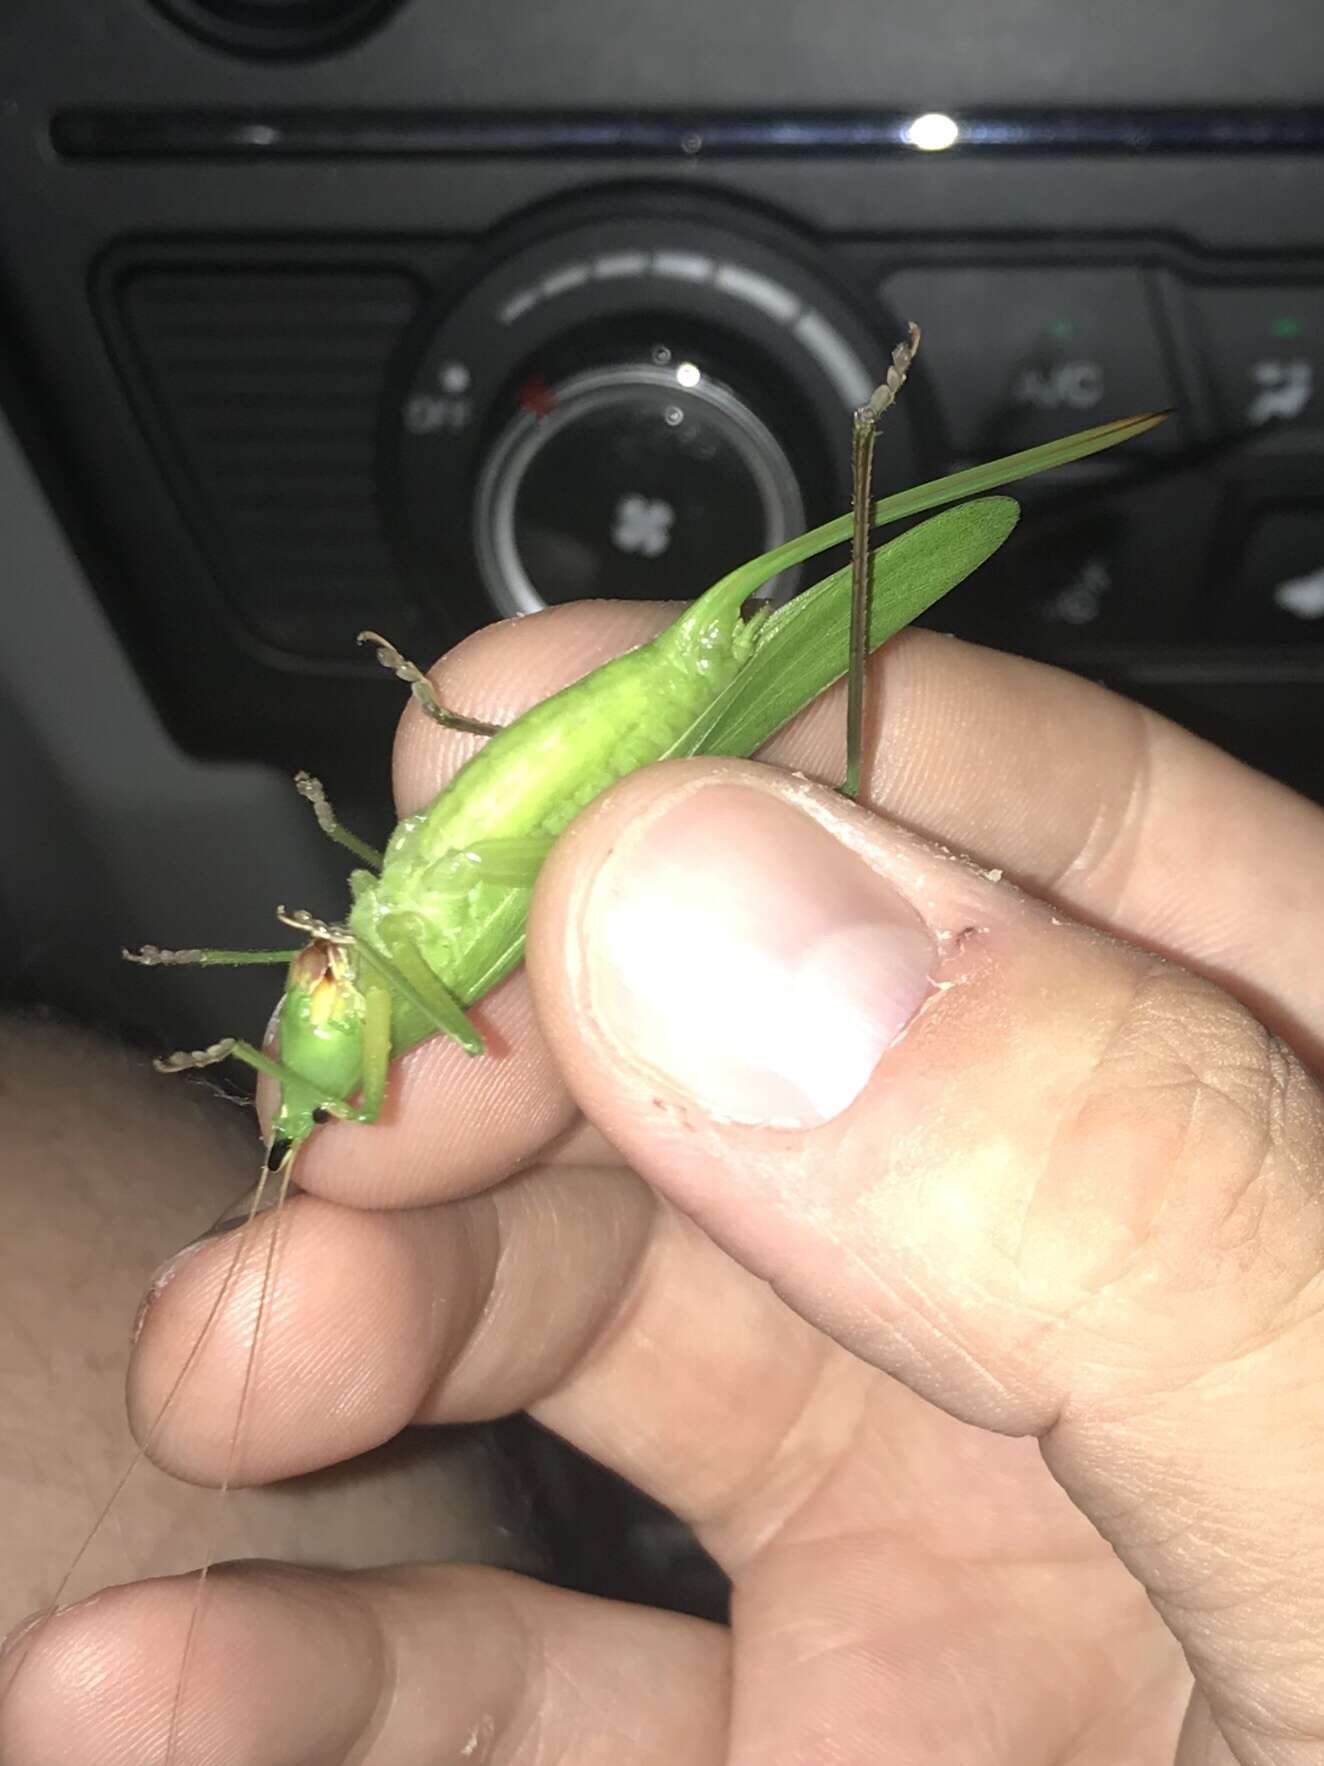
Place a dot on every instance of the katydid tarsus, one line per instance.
(438, 919)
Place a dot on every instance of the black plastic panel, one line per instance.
(1166, 159)
(253, 135)
(263, 390)
(595, 55)
(270, 29)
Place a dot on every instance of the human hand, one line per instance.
(966, 1300)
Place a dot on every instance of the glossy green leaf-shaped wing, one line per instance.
(803, 647)
(746, 578)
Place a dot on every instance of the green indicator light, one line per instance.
(1286, 326)
(1061, 328)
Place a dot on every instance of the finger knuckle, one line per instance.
(1222, 1129)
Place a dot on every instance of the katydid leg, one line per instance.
(151, 956)
(321, 1105)
(401, 965)
(310, 788)
(864, 433)
(511, 863)
(327, 1105)
(376, 1052)
(234, 1048)
(421, 687)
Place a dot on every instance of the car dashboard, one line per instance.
(322, 315)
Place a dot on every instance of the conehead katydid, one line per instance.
(438, 919)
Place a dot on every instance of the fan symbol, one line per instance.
(642, 524)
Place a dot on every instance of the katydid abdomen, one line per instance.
(521, 790)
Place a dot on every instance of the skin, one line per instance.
(87, 1210)
(997, 1393)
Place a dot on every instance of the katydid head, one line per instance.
(320, 1026)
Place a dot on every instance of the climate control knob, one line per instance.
(636, 480)
(628, 407)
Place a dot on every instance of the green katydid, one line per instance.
(439, 919)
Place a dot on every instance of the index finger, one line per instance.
(453, 1123)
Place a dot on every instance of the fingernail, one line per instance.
(742, 952)
(160, 1281)
(23, 1629)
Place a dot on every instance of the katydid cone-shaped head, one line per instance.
(320, 1026)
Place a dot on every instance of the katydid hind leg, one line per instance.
(421, 687)
(863, 435)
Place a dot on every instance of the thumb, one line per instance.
(1056, 1186)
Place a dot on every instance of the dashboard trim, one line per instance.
(112, 132)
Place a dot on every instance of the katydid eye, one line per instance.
(321, 1114)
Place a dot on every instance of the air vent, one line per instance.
(264, 391)
(278, 29)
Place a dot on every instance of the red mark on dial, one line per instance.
(536, 397)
